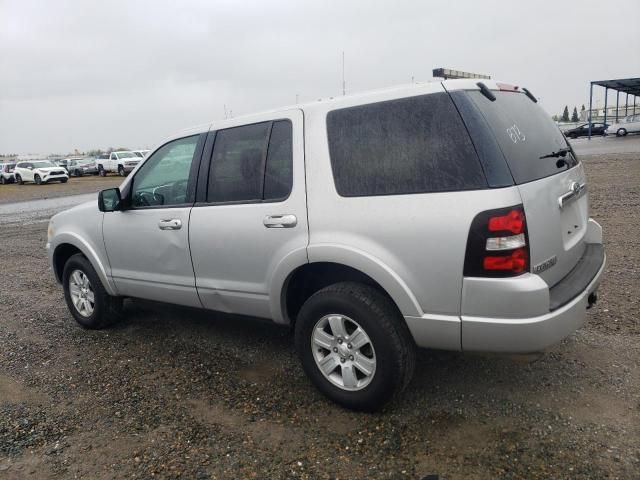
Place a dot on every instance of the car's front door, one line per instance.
(148, 242)
(251, 217)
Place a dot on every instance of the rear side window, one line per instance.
(525, 133)
(410, 145)
(251, 163)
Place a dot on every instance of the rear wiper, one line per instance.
(560, 153)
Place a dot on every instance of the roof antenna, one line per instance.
(343, 83)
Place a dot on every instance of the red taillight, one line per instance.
(515, 262)
(498, 244)
(512, 222)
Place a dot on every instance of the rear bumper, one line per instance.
(567, 312)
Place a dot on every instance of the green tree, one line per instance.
(574, 115)
(565, 114)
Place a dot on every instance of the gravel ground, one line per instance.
(76, 185)
(177, 393)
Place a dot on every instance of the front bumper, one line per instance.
(47, 178)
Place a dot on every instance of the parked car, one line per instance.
(78, 167)
(6, 172)
(583, 130)
(117, 162)
(630, 124)
(39, 172)
(141, 153)
(447, 215)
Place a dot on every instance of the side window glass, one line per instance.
(164, 177)
(237, 164)
(278, 176)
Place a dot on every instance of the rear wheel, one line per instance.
(3, 180)
(621, 132)
(121, 171)
(354, 345)
(86, 298)
(37, 179)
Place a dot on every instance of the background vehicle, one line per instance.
(141, 153)
(6, 172)
(447, 215)
(117, 162)
(39, 172)
(583, 130)
(82, 166)
(630, 124)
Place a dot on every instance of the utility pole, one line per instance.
(344, 90)
(225, 111)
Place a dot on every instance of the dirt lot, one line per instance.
(76, 185)
(177, 393)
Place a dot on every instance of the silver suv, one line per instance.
(448, 215)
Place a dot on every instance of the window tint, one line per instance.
(525, 132)
(410, 145)
(278, 177)
(163, 179)
(237, 164)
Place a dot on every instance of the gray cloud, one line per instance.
(79, 74)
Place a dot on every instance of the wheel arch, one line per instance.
(68, 245)
(332, 264)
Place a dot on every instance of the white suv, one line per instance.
(39, 172)
(449, 215)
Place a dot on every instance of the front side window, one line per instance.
(164, 177)
(404, 146)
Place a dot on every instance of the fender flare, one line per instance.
(359, 260)
(88, 251)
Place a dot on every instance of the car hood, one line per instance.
(49, 169)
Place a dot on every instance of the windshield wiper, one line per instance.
(560, 153)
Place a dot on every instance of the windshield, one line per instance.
(126, 155)
(43, 164)
(525, 133)
(85, 161)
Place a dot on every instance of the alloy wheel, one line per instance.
(82, 295)
(343, 352)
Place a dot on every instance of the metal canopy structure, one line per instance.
(628, 86)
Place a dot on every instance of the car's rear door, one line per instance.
(148, 243)
(251, 213)
(551, 182)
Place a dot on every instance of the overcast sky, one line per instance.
(97, 74)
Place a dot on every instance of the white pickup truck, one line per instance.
(117, 162)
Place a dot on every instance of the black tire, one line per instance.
(101, 171)
(621, 132)
(573, 136)
(121, 171)
(37, 179)
(395, 350)
(107, 309)
(19, 180)
(63, 180)
(77, 173)
(3, 180)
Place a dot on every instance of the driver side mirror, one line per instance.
(109, 200)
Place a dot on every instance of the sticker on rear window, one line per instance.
(515, 134)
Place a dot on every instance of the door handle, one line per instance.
(280, 221)
(173, 224)
(576, 191)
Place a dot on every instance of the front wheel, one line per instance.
(19, 180)
(101, 171)
(354, 345)
(77, 173)
(3, 180)
(86, 298)
(63, 180)
(121, 171)
(37, 179)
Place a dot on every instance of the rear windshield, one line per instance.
(410, 145)
(524, 132)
